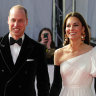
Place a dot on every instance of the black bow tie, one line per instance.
(12, 41)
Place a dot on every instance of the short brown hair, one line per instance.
(19, 7)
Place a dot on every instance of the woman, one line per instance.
(46, 38)
(77, 60)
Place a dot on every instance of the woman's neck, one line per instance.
(75, 46)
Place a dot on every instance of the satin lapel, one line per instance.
(6, 53)
(26, 49)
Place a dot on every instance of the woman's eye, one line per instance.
(72, 25)
(76, 25)
(67, 25)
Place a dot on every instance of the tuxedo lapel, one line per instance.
(25, 51)
(6, 53)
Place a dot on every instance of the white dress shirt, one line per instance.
(15, 49)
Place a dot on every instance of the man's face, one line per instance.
(17, 22)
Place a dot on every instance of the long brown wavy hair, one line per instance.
(83, 22)
(49, 30)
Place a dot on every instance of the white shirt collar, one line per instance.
(21, 37)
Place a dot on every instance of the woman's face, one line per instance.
(44, 32)
(74, 28)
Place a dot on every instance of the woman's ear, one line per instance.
(83, 29)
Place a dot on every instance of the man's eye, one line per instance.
(20, 20)
(13, 20)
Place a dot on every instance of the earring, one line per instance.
(66, 37)
(83, 37)
(65, 40)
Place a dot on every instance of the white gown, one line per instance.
(77, 74)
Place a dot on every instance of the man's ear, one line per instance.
(8, 20)
(26, 21)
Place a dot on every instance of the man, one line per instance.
(21, 63)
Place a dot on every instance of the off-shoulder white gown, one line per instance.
(77, 74)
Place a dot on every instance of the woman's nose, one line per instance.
(71, 28)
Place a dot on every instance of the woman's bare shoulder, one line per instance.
(58, 54)
(59, 51)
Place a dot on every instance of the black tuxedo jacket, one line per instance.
(18, 79)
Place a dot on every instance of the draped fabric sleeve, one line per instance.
(93, 63)
(57, 82)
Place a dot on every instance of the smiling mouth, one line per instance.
(72, 33)
(16, 29)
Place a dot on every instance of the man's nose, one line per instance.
(16, 24)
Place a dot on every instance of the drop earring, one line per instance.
(83, 37)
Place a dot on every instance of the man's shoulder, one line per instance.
(34, 42)
(1, 38)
